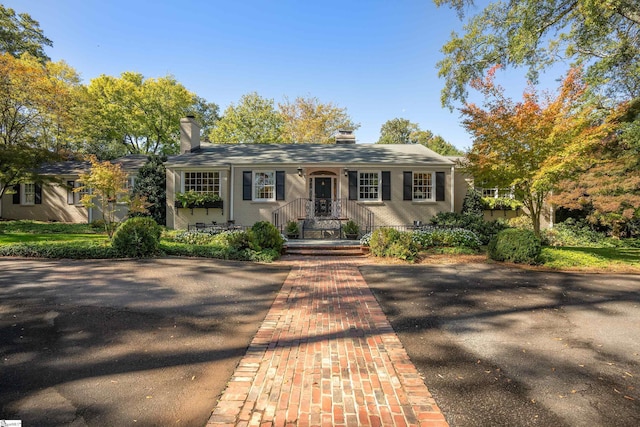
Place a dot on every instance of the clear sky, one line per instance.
(376, 58)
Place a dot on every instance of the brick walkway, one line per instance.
(326, 355)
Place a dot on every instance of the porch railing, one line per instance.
(292, 211)
(358, 213)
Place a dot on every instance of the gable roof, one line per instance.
(210, 155)
(130, 164)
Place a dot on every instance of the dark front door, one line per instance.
(322, 193)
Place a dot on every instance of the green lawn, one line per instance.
(9, 238)
(598, 258)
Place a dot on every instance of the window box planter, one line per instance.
(215, 204)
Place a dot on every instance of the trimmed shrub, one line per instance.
(137, 237)
(265, 235)
(485, 230)
(515, 245)
(388, 242)
(450, 237)
(381, 240)
(64, 249)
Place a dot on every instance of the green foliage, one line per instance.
(523, 222)
(607, 259)
(451, 237)
(485, 230)
(535, 34)
(19, 33)
(78, 249)
(292, 228)
(265, 235)
(253, 121)
(37, 227)
(351, 227)
(391, 243)
(402, 131)
(515, 245)
(501, 203)
(151, 183)
(472, 203)
(193, 199)
(137, 237)
(575, 233)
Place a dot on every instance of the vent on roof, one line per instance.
(345, 136)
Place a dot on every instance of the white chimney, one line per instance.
(189, 135)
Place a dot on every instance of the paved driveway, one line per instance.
(511, 347)
(125, 342)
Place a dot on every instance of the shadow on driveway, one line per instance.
(503, 346)
(105, 342)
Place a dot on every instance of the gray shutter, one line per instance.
(16, 195)
(246, 185)
(353, 185)
(407, 186)
(280, 177)
(38, 195)
(386, 185)
(439, 186)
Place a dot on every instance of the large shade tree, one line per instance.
(309, 121)
(132, 114)
(254, 120)
(19, 33)
(36, 116)
(603, 35)
(530, 145)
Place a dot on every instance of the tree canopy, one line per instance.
(402, 131)
(36, 105)
(530, 145)
(19, 33)
(307, 120)
(133, 115)
(602, 35)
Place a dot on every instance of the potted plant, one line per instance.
(351, 230)
(292, 230)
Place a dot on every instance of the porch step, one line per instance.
(323, 248)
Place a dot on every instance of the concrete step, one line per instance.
(324, 249)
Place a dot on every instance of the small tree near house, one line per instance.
(104, 184)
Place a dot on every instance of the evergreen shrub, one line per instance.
(137, 237)
(515, 245)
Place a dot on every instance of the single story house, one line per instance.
(371, 184)
(54, 199)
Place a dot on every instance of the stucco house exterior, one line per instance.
(54, 199)
(371, 184)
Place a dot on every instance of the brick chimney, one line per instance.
(345, 136)
(189, 135)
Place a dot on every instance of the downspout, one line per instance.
(453, 184)
(231, 188)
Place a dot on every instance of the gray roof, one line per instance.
(130, 163)
(307, 154)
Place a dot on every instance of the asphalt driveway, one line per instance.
(502, 346)
(108, 342)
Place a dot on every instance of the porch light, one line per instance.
(299, 171)
(346, 171)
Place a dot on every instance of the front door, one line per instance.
(323, 196)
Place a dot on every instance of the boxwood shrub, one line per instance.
(515, 245)
(137, 237)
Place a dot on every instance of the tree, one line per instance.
(253, 121)
(135, 115)
(537, 33)
(530, 145)
(402, 131)
(397, 131)
(36, 116)
(21, 34)
(106, 183)
(307, 120)
(150, 185)
(607, 186)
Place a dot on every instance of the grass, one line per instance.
(571, 258)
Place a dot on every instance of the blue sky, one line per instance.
(376, 58)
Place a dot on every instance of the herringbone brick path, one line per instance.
(326, 355)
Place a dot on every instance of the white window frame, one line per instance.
(28, 198)
(203, 188)
(256, 187)
(415, 188)
(362, 185)
(77, 195)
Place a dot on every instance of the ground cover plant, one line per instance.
(261, 243)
